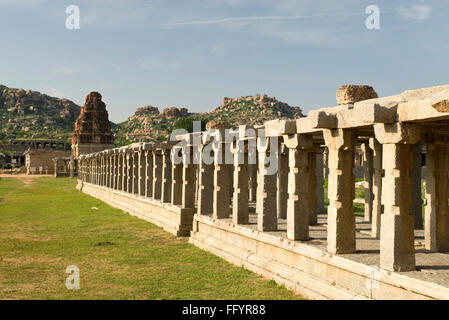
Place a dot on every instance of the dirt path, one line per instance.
(26, 179)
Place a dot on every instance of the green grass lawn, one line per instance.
(359, 209)
(48, 225)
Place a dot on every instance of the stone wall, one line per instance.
(38, 161)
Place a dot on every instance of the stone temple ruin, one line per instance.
(275, 222)
(92, 128)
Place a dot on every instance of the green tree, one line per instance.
(187, 123)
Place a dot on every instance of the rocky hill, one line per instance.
(148, 124)
(31, 114)
(252, 110)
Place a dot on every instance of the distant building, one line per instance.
(41, 161)
(17, 148)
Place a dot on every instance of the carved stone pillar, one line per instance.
(341, 191)
(397, 250)
(157, 174)
(166, 175)
(437, 194)
(240, 210)
(266, 206)
(377, 187)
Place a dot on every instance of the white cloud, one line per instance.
(298, 27)
(150, 64)
(250, 19)
(415, 12)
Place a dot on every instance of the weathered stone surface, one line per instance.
(93, 124)
(147, 110)
(437, 193)
(40, 161)
(341, 220)
(397, 251)
(350, 94)
(173, 112)
(216, 125)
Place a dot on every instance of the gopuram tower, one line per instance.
(92, 128)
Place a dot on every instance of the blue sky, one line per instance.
(192, 53)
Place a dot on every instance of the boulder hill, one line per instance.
(31, 114)
(148, 124)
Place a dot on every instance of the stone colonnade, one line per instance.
(224, 184)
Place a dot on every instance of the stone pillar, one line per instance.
(437, 194)
(282, 182)
(119, 164)
(130, 171)
(111, 170)
(110, 173)
(56, 167)
(157, 174)
(266, 205)
(319, 173)
(149, 173)
(377, 187)
(107, 173)
(103, 169)
(100, 169)
(222, 182)
(368, 179)
(252, 172)
(124, 172)
(397, 250)
(176, 192)
(240, 210)
(326, 163)
(92, 170)
(299, 191)
(188, 177)
(397, 235)
(206, 186)
(167, 175)
(142, 177)
(136, 165)
(312, 182)
(341, 191)
(416, 187)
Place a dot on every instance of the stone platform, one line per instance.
(308, 269)
(171, 218)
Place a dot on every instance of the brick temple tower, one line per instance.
(92, 129)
